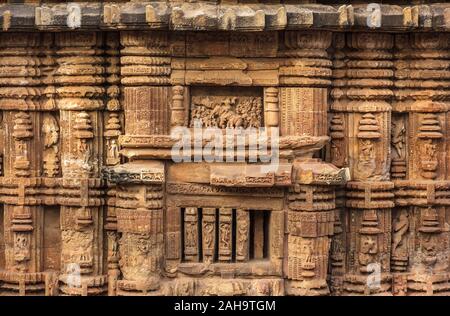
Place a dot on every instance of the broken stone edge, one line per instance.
(218, 17)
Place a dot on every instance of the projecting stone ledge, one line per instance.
(315, 171)
(225, 17)
(251, 175)
(150, 172)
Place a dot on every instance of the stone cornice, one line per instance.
(222, 17)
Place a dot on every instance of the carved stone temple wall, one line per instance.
(93, 203)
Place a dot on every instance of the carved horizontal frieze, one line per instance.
(251, 175)
(313, 171)
(151, 172)
(214, 17)
(423, 193)
(207, 189)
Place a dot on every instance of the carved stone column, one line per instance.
(139, 210)
(145, 69)
(420, 226)
(304, 79)
(20, 79)
(79, 80)
(112, 129)
(338, 157)
(360, 131)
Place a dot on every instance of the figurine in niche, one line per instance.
(336, 153)
(113, 151)
(225, 234)
(400, 227)
(366, 163)
(208, 229)
(113, 245)
(50, 131)
(398, 139)
(242, 239)
(337, 253)
(84, 149)
(190, 238)
(308, 264)
(428, 159)
(21, 150)
(368, 250)
(21, 247)
(428, 244)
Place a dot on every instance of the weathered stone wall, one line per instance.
(93, 204)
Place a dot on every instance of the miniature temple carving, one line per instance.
(224, 148)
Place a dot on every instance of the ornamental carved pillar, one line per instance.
(337, 155)
(420, 226)
(145, 69)
(79, 80)
(20, 93)
(305, 72)
(360, 132)
(112, 129)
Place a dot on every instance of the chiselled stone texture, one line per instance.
(93, 202)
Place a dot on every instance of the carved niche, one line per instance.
(226, 107)
(50, 134)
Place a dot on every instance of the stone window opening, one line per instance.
(224, 235)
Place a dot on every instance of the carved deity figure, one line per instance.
(207, 234)
(113, 150)
(337, 250)
(428, 159)
(225, 235)
(190, 234)
(400, 228)
(366, 163)
(113, 249)
(77, 248)
(85, 152)
(50, 131)
(398, 138)
(367, 251)
(336, 153)
(21, 247)
(428, 245)
(242, 236)
(306, 254)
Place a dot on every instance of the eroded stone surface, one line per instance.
(92, 202)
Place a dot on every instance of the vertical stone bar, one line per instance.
(225, 234)
(271, 107)
(304, 80)
(362, 112)
(242, 235)
(112, 236)
(178, 109)
(191, 245)
(79, 79)
(420, 164)
(112, 130)
(258, 235)
(209, 234)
